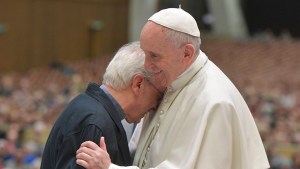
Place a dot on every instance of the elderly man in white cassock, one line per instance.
(202, 122)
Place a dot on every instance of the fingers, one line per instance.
(88, 158)
(88, 148)
(102, 144)
(82, 163)
(83, 158)
(91, 156)
(89, 144)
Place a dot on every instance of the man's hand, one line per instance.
(91, 156)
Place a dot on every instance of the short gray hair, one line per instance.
(178, 38)
(127, 62)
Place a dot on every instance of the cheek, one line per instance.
(155, 98)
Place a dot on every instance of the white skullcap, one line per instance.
(176, 19)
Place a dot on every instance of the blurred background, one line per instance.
(51, 49)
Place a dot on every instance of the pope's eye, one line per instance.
(153, 56)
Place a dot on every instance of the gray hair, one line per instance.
(178, 38)
(127, 62)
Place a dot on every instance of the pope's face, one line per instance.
(163, 59)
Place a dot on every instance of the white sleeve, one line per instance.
(135, 138)
(132, 147)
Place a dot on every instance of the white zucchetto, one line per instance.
(176, 19)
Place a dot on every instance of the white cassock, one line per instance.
(203, 122)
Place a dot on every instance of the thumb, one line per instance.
(102, 144)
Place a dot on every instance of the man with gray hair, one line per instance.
(126, 92)
(202, 122)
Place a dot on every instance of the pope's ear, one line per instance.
(137, 83)
(189, 52)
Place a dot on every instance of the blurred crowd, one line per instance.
(31, 101)
(276, 110)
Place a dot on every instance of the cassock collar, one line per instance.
(188, 74)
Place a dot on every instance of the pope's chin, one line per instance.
(161, 82)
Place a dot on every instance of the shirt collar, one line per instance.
(114, 101)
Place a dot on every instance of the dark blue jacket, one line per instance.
(87, 117)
